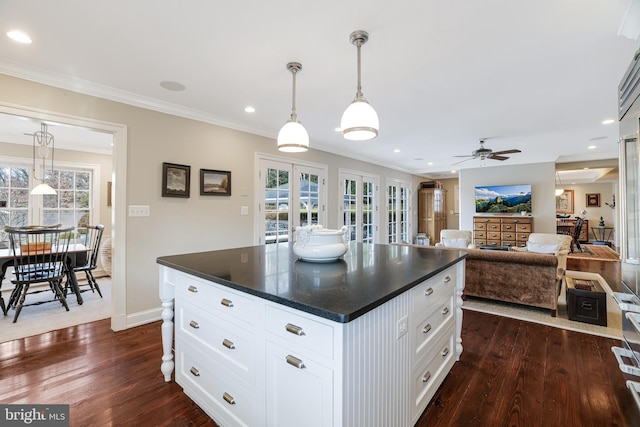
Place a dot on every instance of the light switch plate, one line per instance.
(138, 210)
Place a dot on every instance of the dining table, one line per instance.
(76, 255)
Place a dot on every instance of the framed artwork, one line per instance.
(176, 180)
(564, 202)
(593, 200)
(215, 183)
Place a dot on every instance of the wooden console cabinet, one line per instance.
(502, 230)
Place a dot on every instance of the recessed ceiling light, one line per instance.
(173, 86)
(608, 121)
(396, 150)
(19, 36)
(249, 109)
(592, 147)
(430, 164)
(454, 171)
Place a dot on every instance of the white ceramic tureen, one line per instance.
(317, 244)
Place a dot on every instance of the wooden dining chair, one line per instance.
(90, 236)
(39, 256)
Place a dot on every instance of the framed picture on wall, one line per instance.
(215, 183)
(564, 202)
(176, 180)
(593, 200)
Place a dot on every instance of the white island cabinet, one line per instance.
(250, 361)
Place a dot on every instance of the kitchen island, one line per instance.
(262, 338)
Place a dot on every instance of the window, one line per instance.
(72, 206)
(359, 205)
(398, 212)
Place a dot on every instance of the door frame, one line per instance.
(118, 209)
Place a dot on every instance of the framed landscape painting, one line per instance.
(176, 180)
(215, 183)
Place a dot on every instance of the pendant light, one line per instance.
(293, 137)
(45, 147)
(559, 188)
(359, 121)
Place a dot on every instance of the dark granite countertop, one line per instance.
(368, 275)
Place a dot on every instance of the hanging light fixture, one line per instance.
(559, 188)
(359, 121)
(293, 137)
(46, 145)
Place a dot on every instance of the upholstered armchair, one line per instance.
(460, 239)
(547, 243)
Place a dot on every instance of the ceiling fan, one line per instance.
(483, 153)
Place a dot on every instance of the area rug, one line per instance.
(542, 316)
(39, 319)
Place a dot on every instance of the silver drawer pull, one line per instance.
(229, 344)
(226, 302)
(193, 289)
(508, 227)
(228, 398)
(194, 324)
(426, 377)
(294, 361)
(296, 330)
(426, 329)
(445, 311)
(195, 372)
(429, 291)
(447, 279)
(444, 351)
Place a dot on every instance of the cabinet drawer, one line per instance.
(522, 237)
(217, 298)
(510, 227)
(214, 390)
(230, 345)
(509, 236)
(508, 243)
(300, 330)
(488, 219)
(508, 220)
(479, 226)
(523, 228)
(493, 243)
(494, 226)
(428, 374)
(429, 292)
(429, 328)
(481, 242)
(493, 235)
(480, 234)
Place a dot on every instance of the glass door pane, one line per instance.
(276, 205)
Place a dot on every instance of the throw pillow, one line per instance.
(543, 248)
(460, 243)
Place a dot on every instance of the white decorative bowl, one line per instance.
(317, 244)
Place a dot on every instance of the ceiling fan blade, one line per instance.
(465, 156)
(494, 157)
(507, 152)
(470, 157)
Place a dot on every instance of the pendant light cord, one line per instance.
(294, 116)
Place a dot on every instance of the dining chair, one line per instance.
(39, 256)
(91, 236)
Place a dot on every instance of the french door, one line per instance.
(398, 212)
(359, 206)
(291, 195)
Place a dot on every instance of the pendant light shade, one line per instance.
(42, 188)
(359, 121)
(293, 137)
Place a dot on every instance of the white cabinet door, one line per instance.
(299, 390)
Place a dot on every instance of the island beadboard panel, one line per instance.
(502, 230)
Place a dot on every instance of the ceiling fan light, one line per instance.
(293, 138)
(359, 121)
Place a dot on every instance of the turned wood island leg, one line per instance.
(167, 295)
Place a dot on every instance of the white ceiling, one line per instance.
(539, 76)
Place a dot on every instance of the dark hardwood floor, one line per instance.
(511, 373)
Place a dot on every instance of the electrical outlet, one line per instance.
(138, 210)
(401, 328)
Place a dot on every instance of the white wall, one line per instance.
(541, 176)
